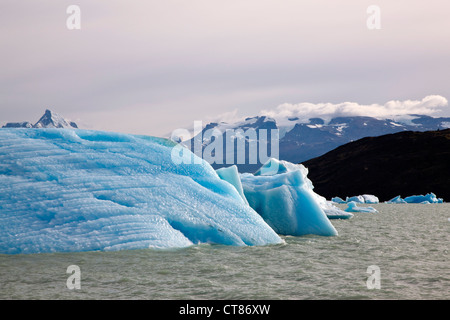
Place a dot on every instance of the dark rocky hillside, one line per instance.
(405, 163)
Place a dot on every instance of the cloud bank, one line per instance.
(429, 105)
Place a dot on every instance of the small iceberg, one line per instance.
(424, 199)
(370, 198)
(334, 212)
(397, 199)
(356, 199)
(365, 198)
(353, 207)
(428, 198)
(337, 200)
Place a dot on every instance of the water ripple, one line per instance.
(409, 243)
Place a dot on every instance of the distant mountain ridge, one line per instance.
(49, 119)
(301, 140)
(403, 163)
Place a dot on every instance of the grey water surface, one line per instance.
(408, 243)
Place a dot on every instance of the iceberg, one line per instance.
(369, 198)
(365, 198)
(274, 166)
(337, 200)
(397, 199)
(231, 175)
(66, 190)
(353, 207)
(283, 195)
(356, 199)
(332, 211)
(428, 198)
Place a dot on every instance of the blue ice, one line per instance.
(370, 198)
(365, 198)
(337, 200)
(356, 199)
(283, 195)
(81, 190)
(353, 207)
(397, 199)
(426, 199)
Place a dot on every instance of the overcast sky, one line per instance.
(149, 67)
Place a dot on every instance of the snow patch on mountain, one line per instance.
(49, 119)
(299, 139)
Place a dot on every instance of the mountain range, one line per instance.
(301, 140)
(403, 163)
(49, 119)
(345, 156)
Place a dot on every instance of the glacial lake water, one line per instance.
(409, 243)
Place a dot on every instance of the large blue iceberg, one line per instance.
(283, 195)
(231, 175)
(81, 190)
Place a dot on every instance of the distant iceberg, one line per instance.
(397, 199)
(356, 199)
(365, 198)
(369, 198)
(283, 195)
(81, 190)
(425, 199)
(332, 211)
(428, 198)
(353, 207)
(337, 200)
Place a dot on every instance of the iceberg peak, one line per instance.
(283, 195)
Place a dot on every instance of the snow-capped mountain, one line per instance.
(301, 140)
(50, 119)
